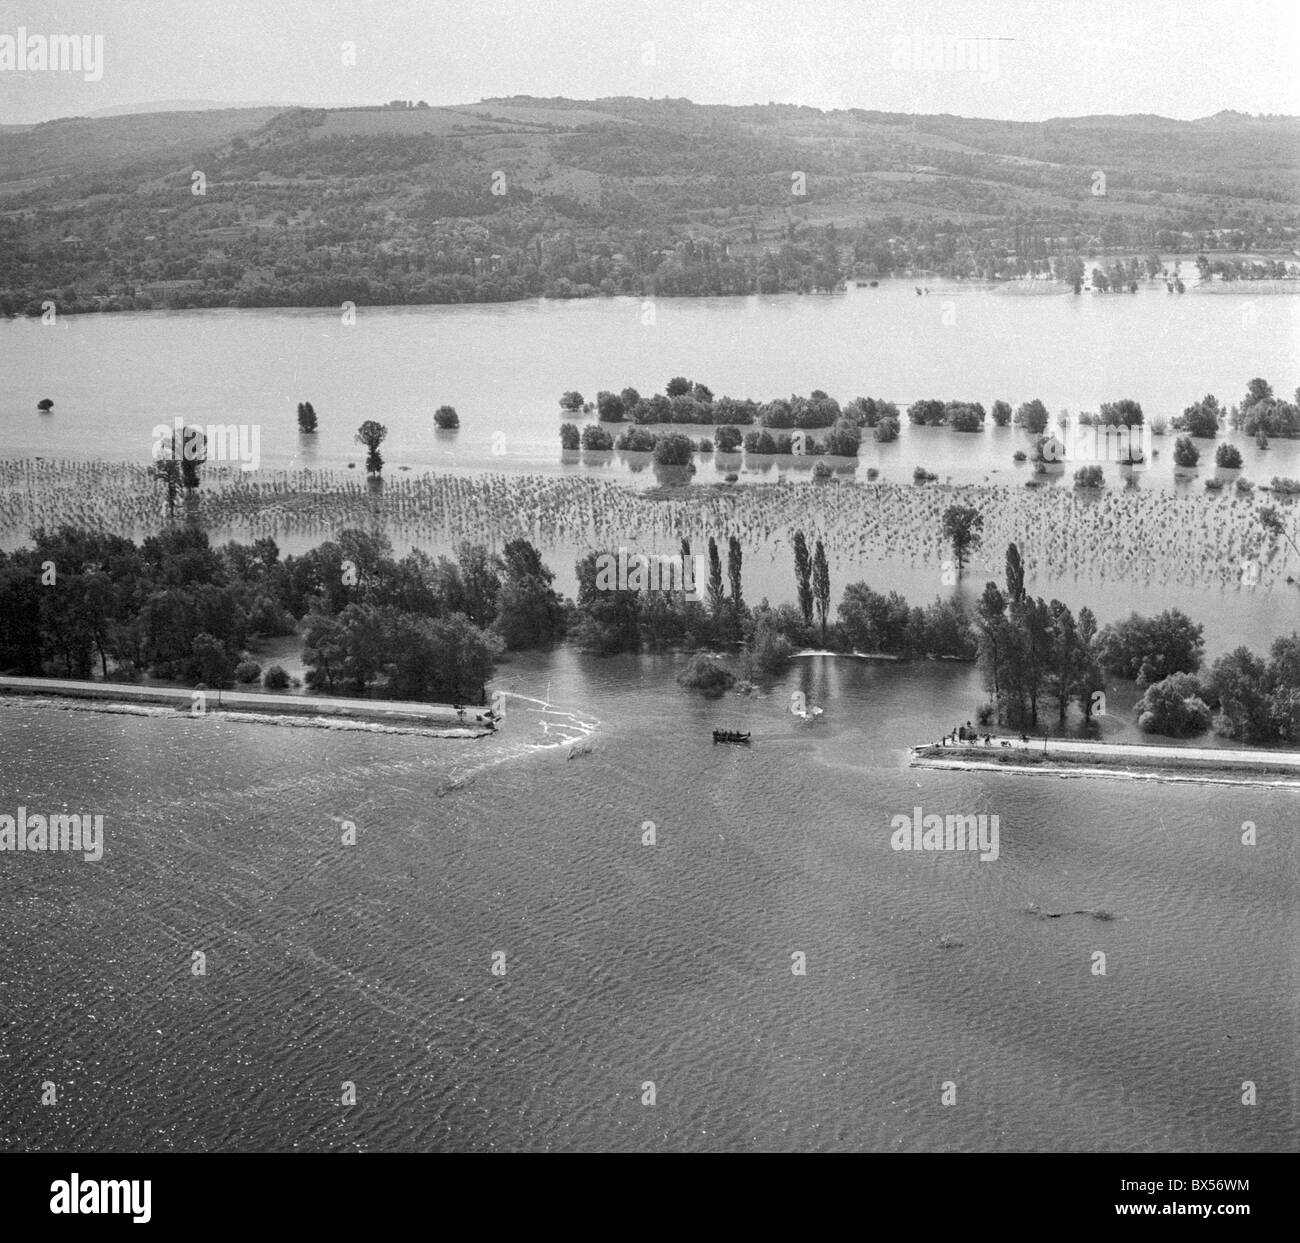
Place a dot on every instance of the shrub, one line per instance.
(569, 438)
(1175, 707)
(844, 439)
(275, 679)
(446, 418)
(247, 671)
(706, 675)
(886, 430)
(706, 445)
(1019, 456)
(673, 449)
(928, 412)
(1001, 413)
(596, 437)
(1089, 477)
(269, 617)
(609, 407)
(306, 417)
(729, 439)
(965, 418)
(636, 440)
(921, 475)
(1032, 416)
(759, 442)
(1228, 456)
(822, 471)
(45, 404)
(1186, 454)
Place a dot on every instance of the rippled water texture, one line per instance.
(629, 963)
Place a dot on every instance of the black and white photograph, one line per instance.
(650, 577)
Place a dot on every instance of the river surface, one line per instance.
(629, 964)
(114, 377)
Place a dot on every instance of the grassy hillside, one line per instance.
(518, 197)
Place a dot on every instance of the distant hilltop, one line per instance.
(518, 196)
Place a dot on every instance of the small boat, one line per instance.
(730, 735)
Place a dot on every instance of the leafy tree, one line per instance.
(928, 412)
(1090, 477)
(529, 612)
(1201, 418)
(306, 417)
(886, 430)
(1123, 413)
(1239, 685)
(595, 437)
(372, 434)
(678, 386)
(1001, 413)
(446, 418)
(572, 401)
(821, 585)
(608, 619)
(707, 675)
(1228, 456)
(728, 439)
(213, 664)
(1186, 454)
(803, 576)
(734, 560)
(569, 438)
(1149, 649)
(609, 407)
(1032, 416)
(962, 525)
(1174, 706)
(715, 593)
(673, 449)
(1015, 575)
(275, 679)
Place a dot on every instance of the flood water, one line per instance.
(628, 964)
(114, 377)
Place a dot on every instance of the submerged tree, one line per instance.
(962, 525)
(372, 434)
(1015, 575)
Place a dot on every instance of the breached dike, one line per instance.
(1125, 761)
(396, 716)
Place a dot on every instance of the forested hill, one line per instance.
(518, 197)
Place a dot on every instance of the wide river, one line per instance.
(628, 964)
